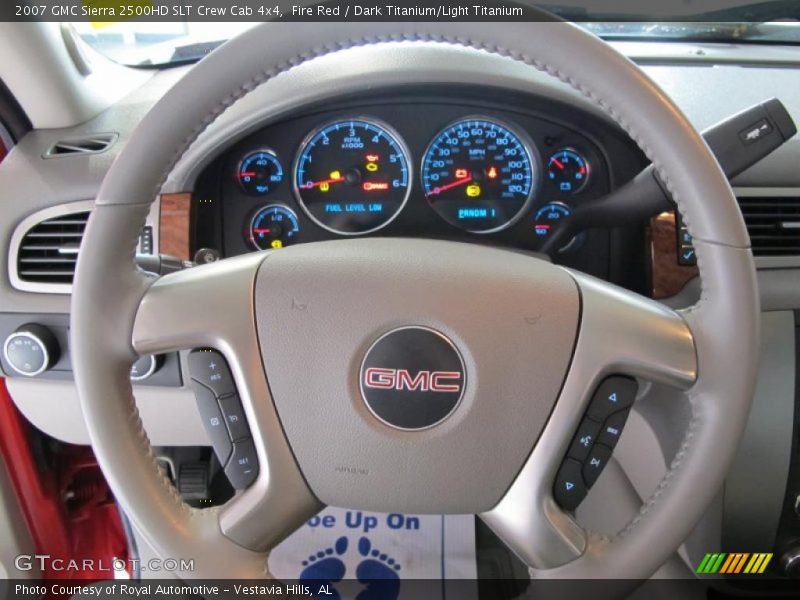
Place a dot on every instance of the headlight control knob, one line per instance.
(31, 350)
(146, 366)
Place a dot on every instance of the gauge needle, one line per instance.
(313, 184)
(440, 189)
(247, 174)
(558, 163)
(262, 230)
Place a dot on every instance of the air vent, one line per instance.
(48, 251)
(91, 144)
(773, 223)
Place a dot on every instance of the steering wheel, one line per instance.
(522, 343)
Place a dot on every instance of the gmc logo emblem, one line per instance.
(423, 381)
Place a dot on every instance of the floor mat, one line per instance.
(354, 550)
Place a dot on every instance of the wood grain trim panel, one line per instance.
(668, 277)
(173, 225)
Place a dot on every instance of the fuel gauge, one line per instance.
(273, 227)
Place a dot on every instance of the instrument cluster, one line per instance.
(433, 168)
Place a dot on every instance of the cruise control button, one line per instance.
(209, 368)
(613, 394)
(584, 439)
(569, 490)
(242, 468)
(612, 429)
(213, 421)
(595, 463)
(234, 417)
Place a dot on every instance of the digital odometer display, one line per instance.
(352, 176)
(478, 175)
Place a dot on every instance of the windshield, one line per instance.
(156, 44)
(777, 21)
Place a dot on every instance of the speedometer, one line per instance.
(352, 176)
(478, 174)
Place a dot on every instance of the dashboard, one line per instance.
(449, 162)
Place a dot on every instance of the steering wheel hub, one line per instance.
(412, 378)
(459, 369)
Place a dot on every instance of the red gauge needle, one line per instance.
(313, 184)
(262, 230)
(458, 182)
(558, 163)
(247, 174)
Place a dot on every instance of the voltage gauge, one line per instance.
(568, 170)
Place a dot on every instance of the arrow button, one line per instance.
(569, 490)
(615, 393)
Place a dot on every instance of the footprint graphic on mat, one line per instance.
(325, 567)
(379, 572)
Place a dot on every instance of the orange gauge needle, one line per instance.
(313, 184)
(440, 189)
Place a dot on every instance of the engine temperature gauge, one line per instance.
(568, 170)
(273, 226)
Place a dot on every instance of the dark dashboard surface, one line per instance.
(572, 158)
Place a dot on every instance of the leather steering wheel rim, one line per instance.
(111, 294)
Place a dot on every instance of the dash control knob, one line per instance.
(146, 366)
(31, 350)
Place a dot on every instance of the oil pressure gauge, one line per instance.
(259, 173)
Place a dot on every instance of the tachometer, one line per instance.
(478, 175)
(352, 176)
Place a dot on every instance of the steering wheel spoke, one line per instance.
(621, 333)
(212, 307)
(625, 333)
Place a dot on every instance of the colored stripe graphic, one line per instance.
(729, 562)
(734, 563)
(717, 563)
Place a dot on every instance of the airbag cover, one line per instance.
(512, 318)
